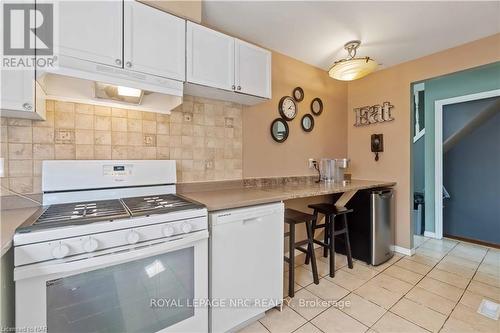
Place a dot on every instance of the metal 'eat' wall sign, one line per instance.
(368, 115)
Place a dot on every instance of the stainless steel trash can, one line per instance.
(382, 225)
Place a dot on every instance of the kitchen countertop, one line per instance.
(248, 196)
(10, 219)
(224, 198)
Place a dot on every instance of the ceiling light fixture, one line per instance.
(352, 68)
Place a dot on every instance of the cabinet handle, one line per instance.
(239, 87)
(118, 62)
(129, 64)
(233, 87)
(27, 106)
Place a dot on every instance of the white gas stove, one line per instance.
(117, 224)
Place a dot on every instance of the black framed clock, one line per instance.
(287, 108)
(317, 106)
(298, 94)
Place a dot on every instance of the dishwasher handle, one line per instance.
(245, 215)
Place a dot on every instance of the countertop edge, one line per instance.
(267, 197)
(272, 197)
(10, 220)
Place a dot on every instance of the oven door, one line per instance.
(152, 287)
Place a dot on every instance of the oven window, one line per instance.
(146, 295)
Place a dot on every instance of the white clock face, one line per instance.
(288, 108)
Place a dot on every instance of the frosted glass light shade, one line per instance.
(352, 69)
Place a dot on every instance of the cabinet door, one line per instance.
(154, 41)
(210, 57)
(91, 30)
(17, 90)
(252, 69)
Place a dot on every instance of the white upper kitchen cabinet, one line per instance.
(154, 41)
(252, 69)
(21, 96)
(210, 57)
(91, 30)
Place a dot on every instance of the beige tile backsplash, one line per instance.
(203, 135)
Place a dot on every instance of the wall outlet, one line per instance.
(311, 162)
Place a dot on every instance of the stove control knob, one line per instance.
(168, 231)
(90, 245)
(60, 251)
(186, 227)
(132, 237)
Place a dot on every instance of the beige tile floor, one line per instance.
(439, 289)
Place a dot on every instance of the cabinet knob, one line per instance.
(27, 106)
(233, 87)
(239, 87)
(118, 62)
(129, 64)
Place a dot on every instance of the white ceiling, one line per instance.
(391, 32)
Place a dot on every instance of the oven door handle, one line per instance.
(125, 254)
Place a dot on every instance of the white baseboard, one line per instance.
(404, 250)
(430, 234)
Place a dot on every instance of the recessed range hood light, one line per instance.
(118, 93)
(80, 81)
(131, 92)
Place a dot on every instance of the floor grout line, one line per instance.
(446, 253)
(461, 296)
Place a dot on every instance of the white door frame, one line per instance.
(438, 151)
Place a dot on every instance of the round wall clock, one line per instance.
(317, 106)
(298, 94)
(287, 108)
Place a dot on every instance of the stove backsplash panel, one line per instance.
(203, 135)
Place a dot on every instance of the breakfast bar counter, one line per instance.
(227, 198)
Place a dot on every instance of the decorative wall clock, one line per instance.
(287, 108)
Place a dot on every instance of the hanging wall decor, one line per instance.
(298, 94)
(368, 115)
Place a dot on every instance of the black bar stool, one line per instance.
(330, 212)
(292, 218)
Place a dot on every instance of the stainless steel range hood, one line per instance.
(87, 82)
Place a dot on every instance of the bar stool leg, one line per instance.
(310, 250)
(347, 243)
(328, 221)
(315, 213)
(291, 261)
(331, 244)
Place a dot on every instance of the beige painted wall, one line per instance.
(264, 157)
(393, 84)
(188, 9)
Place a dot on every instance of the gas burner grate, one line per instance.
(158, 204)
(81, 212)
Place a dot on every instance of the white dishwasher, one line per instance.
(246, 264)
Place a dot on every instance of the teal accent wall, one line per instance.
(471, 81)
